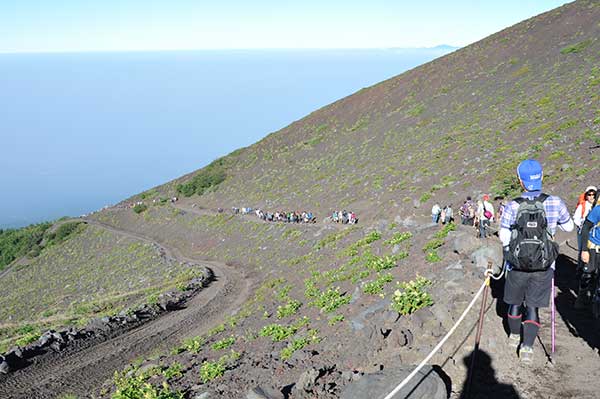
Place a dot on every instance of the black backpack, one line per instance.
(531, 247)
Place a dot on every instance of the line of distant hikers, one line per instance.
(344, 217)
(281, 216)
(478, 215)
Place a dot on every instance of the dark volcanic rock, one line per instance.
(427, 384)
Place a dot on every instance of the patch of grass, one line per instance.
(399, 237)
(173, 371)
(335, 319)
(210, 370)
(130, 385)
(410, 297)
(193, 344)
(223, 344)
(289, 309)
(330, 300)
(278, 332)
(331, 239)
(576, 48)
(207, 178)
(139, 208)
(425, 197)
(375, 287)
(443, 233)
(16, 243)
(432, 256)
(300, 343)
(433, 244)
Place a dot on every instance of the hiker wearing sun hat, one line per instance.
(526, 229)
(584, 205)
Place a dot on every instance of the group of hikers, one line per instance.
(528, 225)
(281, 216)
(477, 214)
(344, 217)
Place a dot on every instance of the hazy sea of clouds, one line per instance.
(80, 131)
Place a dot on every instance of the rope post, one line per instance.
(553, 317)
(479, 330)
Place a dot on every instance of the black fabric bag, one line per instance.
(531, 247)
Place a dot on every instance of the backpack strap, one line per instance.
(542, 197)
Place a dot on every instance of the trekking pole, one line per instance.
(479, 329)
(553, 317)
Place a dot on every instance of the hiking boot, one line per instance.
(526, 354)
(514, 340)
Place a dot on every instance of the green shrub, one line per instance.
(173, 371)
(443, 233)
(288, 309)
(399, 237)
(27, 338)
(224, 343)
(410, 297)
(335, 319)
(208, 177)
(433, 244)
(211, 370)
(16, 243)
(330, 300)
(375, 287)
(576, 48)
(63, 232)
(130, 385)
(425, 197)
(300, 343)
(432, 256)
(193, 345)
(277, 332)
(139, 208)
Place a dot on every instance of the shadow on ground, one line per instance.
(579, 322)
(484, 384)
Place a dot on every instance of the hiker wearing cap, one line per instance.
(527, 229)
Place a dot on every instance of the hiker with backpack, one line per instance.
(590, 256)
(584, 205)
(527, 229)
(485, 213)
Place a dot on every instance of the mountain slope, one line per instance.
(319, 313)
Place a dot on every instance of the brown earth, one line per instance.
(454, 127)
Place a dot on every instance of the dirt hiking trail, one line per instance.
(82, 368)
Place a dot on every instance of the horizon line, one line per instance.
(226, 49)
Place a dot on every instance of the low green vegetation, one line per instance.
(207, 178)
(576, 48)
(300, 343)
(132, 384)
(223, 343)
(399, 237)
(411, 296)
(210, 370)
(289, 309)
(330, 300)
(375, 287)
(16, 243)
(139, 208)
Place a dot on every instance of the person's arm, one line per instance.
(564, 218)
(577, 219)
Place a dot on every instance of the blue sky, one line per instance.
(121, 25)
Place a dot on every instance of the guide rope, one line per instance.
(488, 273)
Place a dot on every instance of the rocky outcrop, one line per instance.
(426, 384)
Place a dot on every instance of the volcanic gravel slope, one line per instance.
(454, 127)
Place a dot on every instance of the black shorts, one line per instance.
(532, 288)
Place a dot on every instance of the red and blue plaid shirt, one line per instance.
(556, 211)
